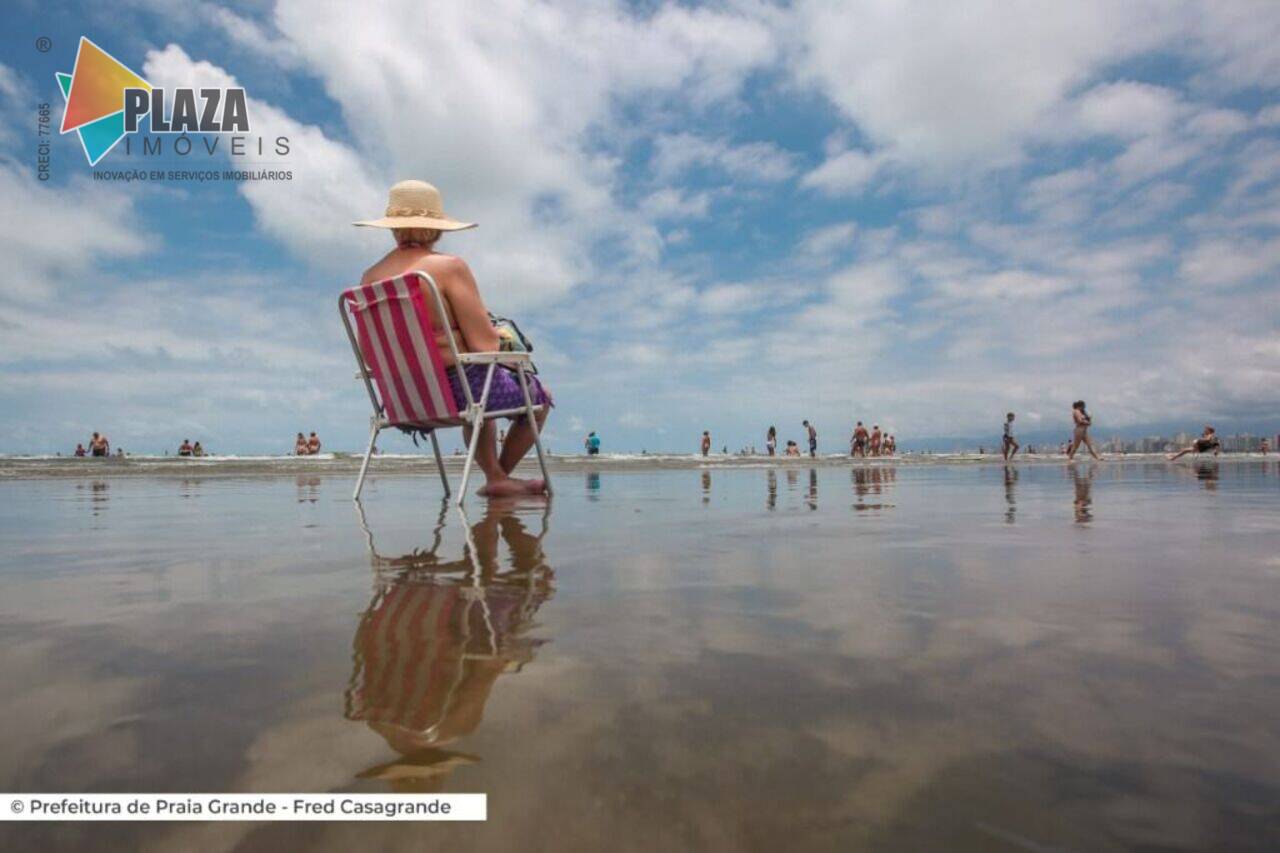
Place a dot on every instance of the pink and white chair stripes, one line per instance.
(394, 341)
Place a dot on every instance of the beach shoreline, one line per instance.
(41, 467)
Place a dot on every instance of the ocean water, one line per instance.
(973, 657)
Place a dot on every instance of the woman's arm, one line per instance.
(468, 308)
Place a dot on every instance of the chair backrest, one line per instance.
(396, 341)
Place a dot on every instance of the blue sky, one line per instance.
(714, 216)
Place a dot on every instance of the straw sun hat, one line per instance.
(416, 204)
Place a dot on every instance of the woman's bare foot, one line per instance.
(504, 488)
(533, 487)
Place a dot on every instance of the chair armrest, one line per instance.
(492, 357)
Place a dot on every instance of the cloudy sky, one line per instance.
(713, 216)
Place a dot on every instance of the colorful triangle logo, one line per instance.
(94, 92)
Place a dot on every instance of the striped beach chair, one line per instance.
(392, 326)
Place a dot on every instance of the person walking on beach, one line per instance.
(300, 445)
(593, 444)
(876, 438)
(313, 444)
(415, 215)
(859, 447)
(99, 445)
(813, 438)
(1207, 441)
(771, 440)
(1010, 443)
(1081, 433)
(706, 442)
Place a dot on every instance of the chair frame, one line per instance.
(472, 416)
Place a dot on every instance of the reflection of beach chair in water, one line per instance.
(394, 342)
(435, 638)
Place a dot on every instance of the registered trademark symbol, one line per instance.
(44, 44)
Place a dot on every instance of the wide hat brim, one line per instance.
(436, 223)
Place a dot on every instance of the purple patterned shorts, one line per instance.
(504, 390)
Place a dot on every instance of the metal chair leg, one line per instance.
(477, 423)
(364, 466)
(444, 480)
(533, 423)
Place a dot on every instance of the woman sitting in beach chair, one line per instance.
(416, 218)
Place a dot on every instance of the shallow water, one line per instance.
(917, 657)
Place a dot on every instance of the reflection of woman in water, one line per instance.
(1084, 495)
(1081, 434)
(1010, 486)
(436, 637)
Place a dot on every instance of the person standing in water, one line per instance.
(771, 440)
(81, 453)
(1207, 441)
(300, 445)
(876, 438)
(99, 445)
(313, 444)
(1081, 434)
(593, 444)
(859, 444)
(706, 442)
(813, 438)
(1010, 443)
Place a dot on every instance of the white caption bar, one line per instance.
(243, 807)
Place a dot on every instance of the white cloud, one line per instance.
(51, 236)
(751, 162)
(962, 83)
(1224, 263)
(845, 173)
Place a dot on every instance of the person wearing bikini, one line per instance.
(1081, 433)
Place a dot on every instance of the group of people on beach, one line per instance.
(99, 445)
(873, 443)
(1081, 421)
(189, 449)
(306, 446)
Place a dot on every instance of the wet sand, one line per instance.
(813, 657)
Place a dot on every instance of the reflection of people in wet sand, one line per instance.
(871, 481)
(1083, 502)
(1207, 473)
(771, 502)
(812, 498)
(1081, 434)
(1207, 441)
(706, 487)
(1010, 484)
(435, 638)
